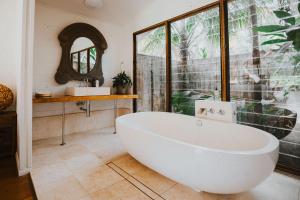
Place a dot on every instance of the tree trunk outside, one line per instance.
(257, 95)
(183, 53)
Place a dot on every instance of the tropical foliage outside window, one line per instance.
(264, 70)
(196, 60)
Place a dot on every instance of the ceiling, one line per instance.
(119, 11)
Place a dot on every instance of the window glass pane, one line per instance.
(93, 56)
(83, 62)
(75, 61)
(196, 68)
(151, 70)
(265, 70)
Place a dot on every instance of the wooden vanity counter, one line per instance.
(61, 99)
(65, 99)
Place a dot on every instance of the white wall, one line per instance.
(160, 10)
(9, 44)
(16, 19)
(49, 22)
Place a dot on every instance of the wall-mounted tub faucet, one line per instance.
(216, 110)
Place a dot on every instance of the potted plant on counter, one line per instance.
(122, 83)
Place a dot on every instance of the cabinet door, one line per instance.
(6, 141)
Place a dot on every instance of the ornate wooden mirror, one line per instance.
(82, 49)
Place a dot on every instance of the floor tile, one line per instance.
(179, 192)
(80, 165)
(153, 180)
(84, 161)
(97, 178)
(42, 149)
(129, 164)
(96, 141)
(43, 160)
(70, 151)
(50, 173)
(86, 198)
(120, 191)
(107, 153)
(65, 189)
(276, 187)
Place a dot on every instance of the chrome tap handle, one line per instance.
(87, 82)
(211, 110)
(199, 122)
(221, 112)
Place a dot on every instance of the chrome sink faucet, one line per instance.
(85, 82)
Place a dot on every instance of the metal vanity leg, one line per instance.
(115, 114)
(88, 108)
(63, 123)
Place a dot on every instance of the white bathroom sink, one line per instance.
(87, 91)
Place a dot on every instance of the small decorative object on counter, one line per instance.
(6, 97)
(43, 94)
(122, 83)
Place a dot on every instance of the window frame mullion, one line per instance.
(168, 67)
(225, 57)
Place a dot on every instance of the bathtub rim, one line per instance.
(272, 141)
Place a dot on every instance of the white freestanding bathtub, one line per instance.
(206, 155)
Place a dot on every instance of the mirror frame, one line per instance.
(65, 71)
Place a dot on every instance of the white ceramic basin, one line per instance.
(87, 91)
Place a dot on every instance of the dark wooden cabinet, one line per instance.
(8, 134)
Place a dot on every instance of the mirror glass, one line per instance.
(83, 55)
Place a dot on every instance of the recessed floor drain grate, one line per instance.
(135, 182)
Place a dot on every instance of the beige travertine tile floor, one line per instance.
(95, 166)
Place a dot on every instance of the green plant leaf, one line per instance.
(297, 21)
(294, 36)
(270, 28)
(122, 79)
(276, 34)
(299, 7)
(275, 41)
(287, 17)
